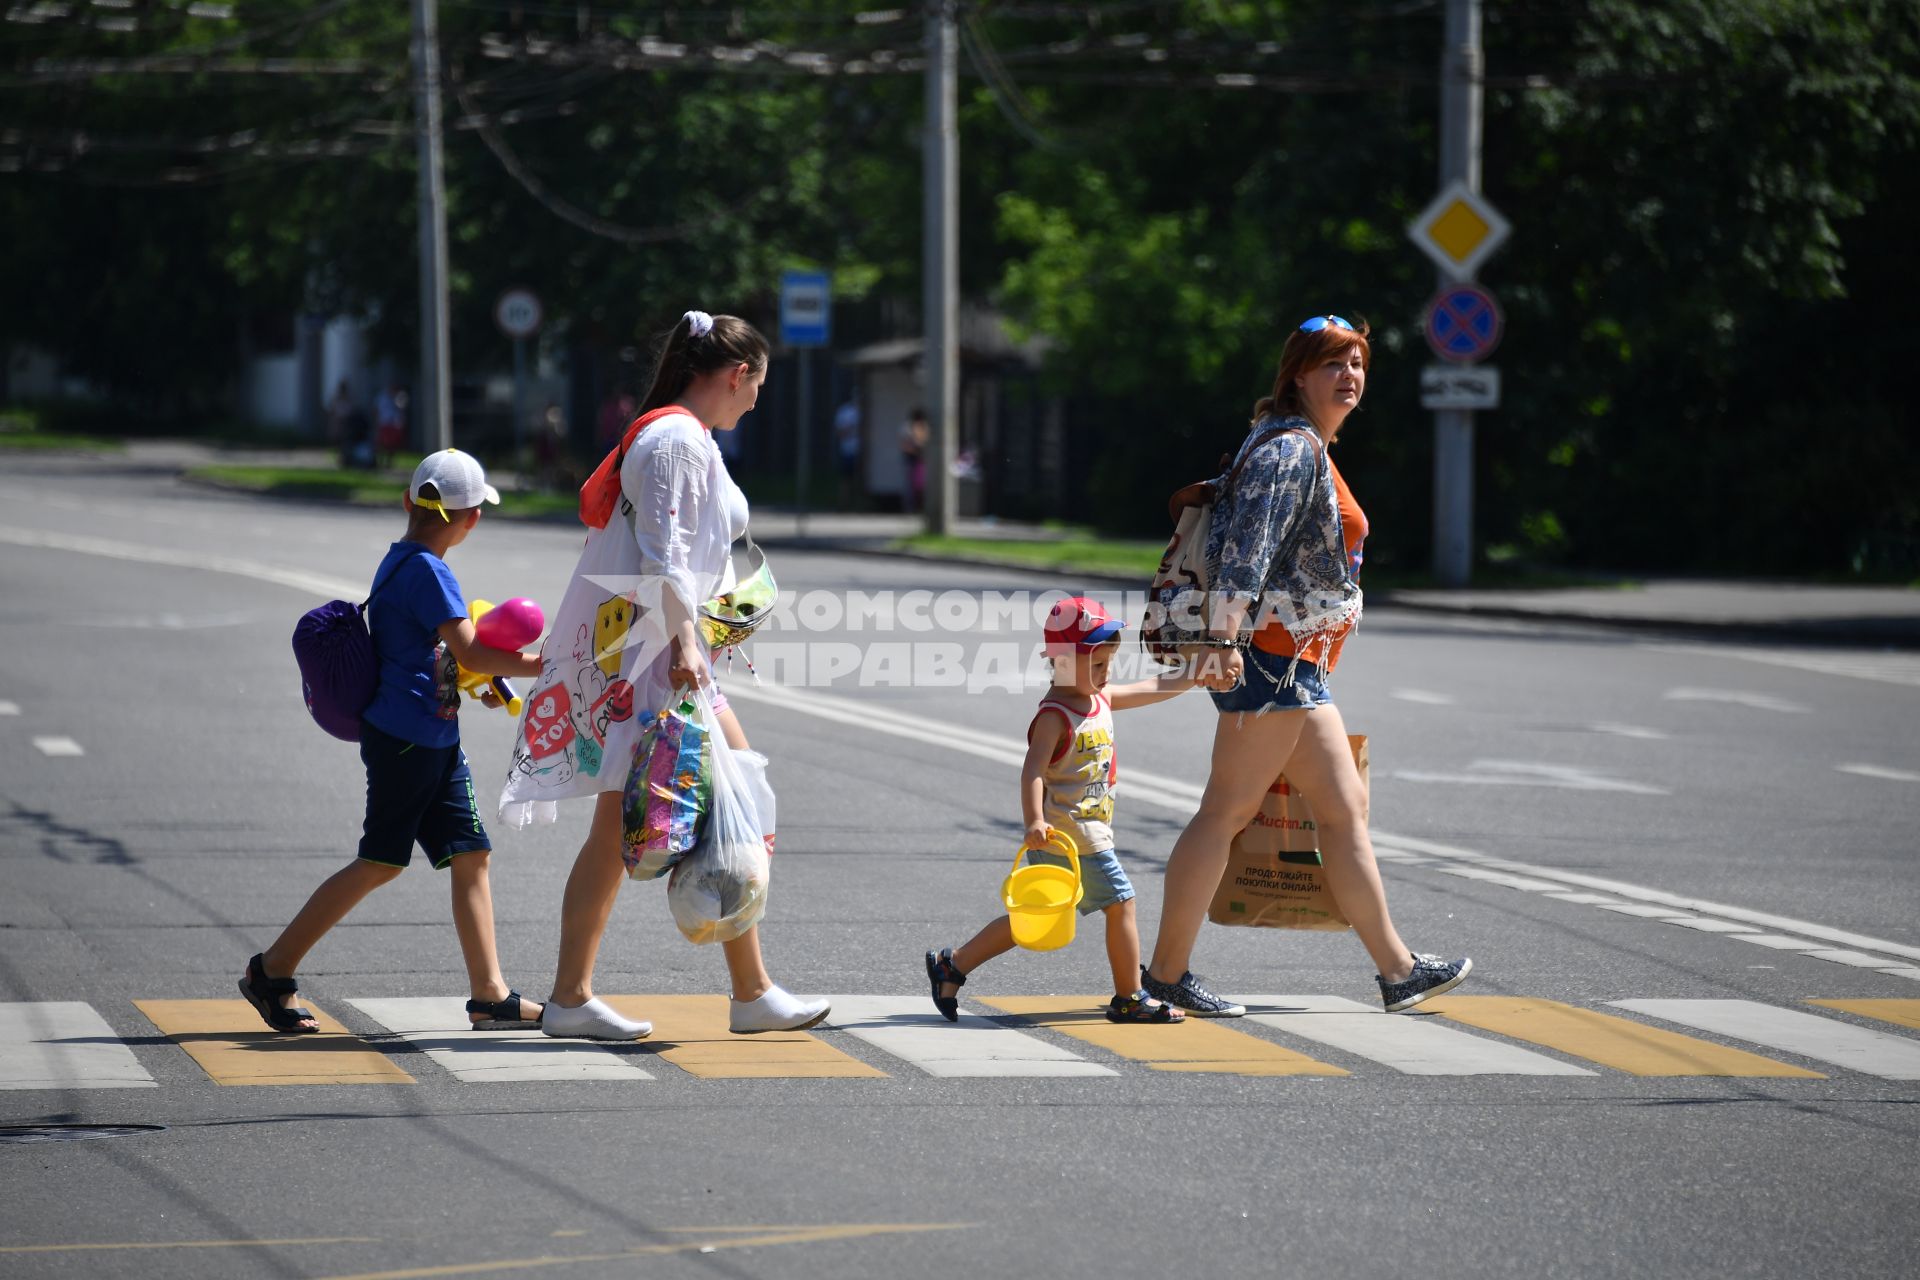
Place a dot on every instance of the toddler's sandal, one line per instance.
(500, 1015)
(1141, 1007)
(940, 971)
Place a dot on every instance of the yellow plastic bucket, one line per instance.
(1041, 900)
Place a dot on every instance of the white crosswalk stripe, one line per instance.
(437, 1025)
(1810, 1035)
(56, 1045)
(908, 1028)
(64, 1044)
(1414, 1046)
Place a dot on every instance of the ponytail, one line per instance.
(699, 344)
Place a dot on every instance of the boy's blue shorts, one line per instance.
(1104, 879)
(417, 793)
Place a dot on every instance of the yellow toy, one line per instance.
(474, 684)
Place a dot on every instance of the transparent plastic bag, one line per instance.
(719, 891)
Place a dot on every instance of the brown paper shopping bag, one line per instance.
(1274, 878)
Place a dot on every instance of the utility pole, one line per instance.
(940, 265)
(434, 413)
(1461, 67)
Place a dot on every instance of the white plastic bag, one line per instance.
(719, 891)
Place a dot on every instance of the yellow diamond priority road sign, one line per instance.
(1459, 230)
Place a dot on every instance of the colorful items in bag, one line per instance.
(728, 620)
(669, 792)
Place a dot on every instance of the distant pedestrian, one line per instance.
(390, 423)
(1287, 537)
(419, 790)
(847, 422)
(616, 414)
(914, 437)
(664, 513)
(340, 408)
(550, 447)
(1067, 788)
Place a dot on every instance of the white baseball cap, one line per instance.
(459, 479)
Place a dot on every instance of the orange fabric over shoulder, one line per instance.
(601, 493)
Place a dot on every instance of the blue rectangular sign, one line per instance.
(806, 308)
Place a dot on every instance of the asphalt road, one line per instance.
(1594, 817)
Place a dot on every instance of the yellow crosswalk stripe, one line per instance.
(1611, 1041)
(1198, 1045)
(228, 1040)
(1901, 1013)
(691, 1033)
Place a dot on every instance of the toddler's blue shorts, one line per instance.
(417, 794)
(1101, 874)
(1261, 688)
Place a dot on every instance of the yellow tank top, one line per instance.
(1078, 784)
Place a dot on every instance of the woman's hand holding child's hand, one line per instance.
(1218, 669)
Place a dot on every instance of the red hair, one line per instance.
(1303, 351)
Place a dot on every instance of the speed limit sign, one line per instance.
(517, 313)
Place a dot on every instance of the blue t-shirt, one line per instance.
(419, 695)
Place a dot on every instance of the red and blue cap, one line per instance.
(1078, 624)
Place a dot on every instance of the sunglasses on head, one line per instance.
(1318, 323)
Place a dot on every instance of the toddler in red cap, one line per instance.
(1067, 787)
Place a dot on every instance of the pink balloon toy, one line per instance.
(511, 624)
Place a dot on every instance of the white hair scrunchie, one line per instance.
(699, 324)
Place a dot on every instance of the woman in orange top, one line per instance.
(1286, 537)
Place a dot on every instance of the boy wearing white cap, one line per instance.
(419, 789)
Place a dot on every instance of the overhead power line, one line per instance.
(555, 204)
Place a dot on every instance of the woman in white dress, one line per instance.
(661, 513)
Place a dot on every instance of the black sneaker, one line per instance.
(1190, 995)
(1431, 975)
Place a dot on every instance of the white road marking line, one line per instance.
(1422, 697)
(1627, 731)
(437, 1024)
(1526, 773)
(1183, 797)
(313, 584)
(64, 1044)
(59, 747)
(1889, 668)
(1876, 1053)
(1738, 697)
(909, 1029)
(1641, 893)
(1705, 925)
(1878, 771)
(1503, 878)
(1645, 911)
(1779, 942)
(1584, 899)
(1858, 959)
(1414, 1046)
(1904, 972)
(9, 708)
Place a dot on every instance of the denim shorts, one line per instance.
(1104, 879)
(417, 793)
(1262, 687)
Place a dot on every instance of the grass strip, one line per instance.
(361, 488)
(1073, 553)
(53, 441)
